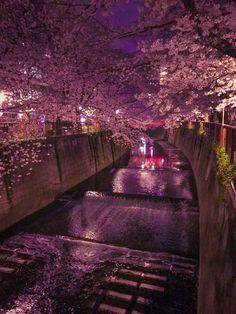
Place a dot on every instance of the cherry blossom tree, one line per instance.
(192, 51)
(58, 58)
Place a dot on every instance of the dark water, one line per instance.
(119, 225)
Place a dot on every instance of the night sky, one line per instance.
(123, 15)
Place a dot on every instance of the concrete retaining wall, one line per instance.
(159, 133)
(66, 162)
(217, 275)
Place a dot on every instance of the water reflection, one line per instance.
(146, 162)
(148, 156)
(165, 183)
(112, 212)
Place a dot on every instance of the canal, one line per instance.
(124, 241)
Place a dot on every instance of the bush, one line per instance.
(226, 172)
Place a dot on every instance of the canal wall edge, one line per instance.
(65, 162)
(217, 273)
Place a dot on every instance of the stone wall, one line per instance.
(66, 162)
(217, 274)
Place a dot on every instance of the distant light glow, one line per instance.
(141, 149)
(117, 111)
(144, 146)
(82, 120)
(48, 55)
(147, 162)
(151, 151)
(164, 73)
(3, 97)
(42, 118)
(20, 115)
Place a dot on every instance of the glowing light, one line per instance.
(82, 120)
(42, 118)
(141, 149)
(144, 147)
(151, 151)
(80, 108)
(20, 115)
(117, 111)
(164, 73)
(3, 97)
(48, 55)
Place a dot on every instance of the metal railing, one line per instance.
(224, 135)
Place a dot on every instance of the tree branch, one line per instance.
(220, 44)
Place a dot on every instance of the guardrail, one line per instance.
(222, 134)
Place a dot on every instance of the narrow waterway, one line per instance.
(124, 241)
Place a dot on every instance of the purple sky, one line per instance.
(124, 15)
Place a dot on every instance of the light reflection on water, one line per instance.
(147, 162)
(120, 223)
(166, 183)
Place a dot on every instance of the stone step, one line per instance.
(142, 304)
(106, 308)
(118, 299)
(149, 267)
(9, 252)
(178, 259)
(18, 260)
(121, 281)
(10, 262)
(141, 276)
(123, 288)
(6, 270)
(183, 271)
(154, 277)
(118, 295)
(147, 289)
(155, 260)
(184, 265)
(154, 266)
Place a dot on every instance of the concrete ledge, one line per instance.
(66, 162)
(217, 280)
